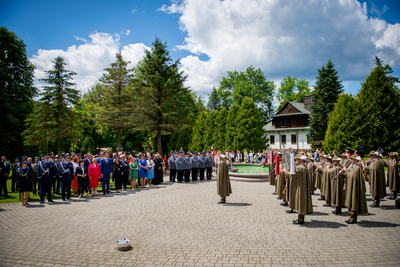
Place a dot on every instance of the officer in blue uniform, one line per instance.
(194, 161)
(24, 182)
(179, 166)
(45, 178)
(172, 167)
(202, 165)
(209, 164)
(14, 168)
(106, 170)
(187, 167)
(57, 178)
(66, 174)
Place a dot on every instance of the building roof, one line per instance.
(297, 105)
(271, 128)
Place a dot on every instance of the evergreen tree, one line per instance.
(292, 89)
(16, 92)
(164, 102)
(196, 143)
(231, 139)
(220, 130)
(249, 127)
(340, 134)
(54, 115)
(378, 103)
(210, 129)
(214, 101)
(327, 89)
(113, 99)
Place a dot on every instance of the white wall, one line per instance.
(301, 140)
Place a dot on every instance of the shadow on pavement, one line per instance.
(376, 224)
(323, 224)
(317, 213)
(34, 206)
(388, 207)
(58, 203)
(238, 204)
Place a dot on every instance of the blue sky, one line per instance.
(211, 37)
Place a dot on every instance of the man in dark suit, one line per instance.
(14, 167)
(4, 171)
(45, 175)
(106, 170)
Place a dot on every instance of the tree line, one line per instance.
(149, 107)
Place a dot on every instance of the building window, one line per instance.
(283, 139)
(293, 121)
(283, 123)
(293, 139)
(272, 139)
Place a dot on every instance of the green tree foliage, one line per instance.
(113, 98)
(54, 116)
(378, 123)
(292, 89)
(220, 130)
(210, 129)
(327, 89)
(340, 134)
(16, 91)
(163, 102)
(196, 143)
(231, 137)
(214, 101)
(251, 83)
(250, 127)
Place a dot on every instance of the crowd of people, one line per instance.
(341, 181)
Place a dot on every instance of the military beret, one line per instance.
(194, 153)
(24, 157)
(202, 153)
(24, 162)
(187, 153)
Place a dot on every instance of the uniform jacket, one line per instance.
(172, 163)
(45, 171)
(209, 161)
(66, 171)
(194, 161)
(202, 162)
(186, 163)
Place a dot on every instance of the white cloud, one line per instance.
(88, 59)
(134, 11)
(127, 32)
(282, 38)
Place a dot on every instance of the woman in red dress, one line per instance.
(94, 175)
(165, 159)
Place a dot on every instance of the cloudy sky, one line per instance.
(211, 37)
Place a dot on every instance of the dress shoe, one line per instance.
(219, 202)
(41, 202)
(50, 200)
(298, 222)
(289, 211)
(274, 193)
(283, 204)
(350, 222)
(326, 205)
(390, 198)
(336, 212)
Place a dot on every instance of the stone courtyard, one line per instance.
(181, 225)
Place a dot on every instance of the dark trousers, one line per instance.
(194, 174)
(34, 184)
(56, 186)
(118, 182)
(81, 186)
(66, 188)
(3, 185)
(13, 181)
(209, 171)
(124, 179)
(172, 175)
(353, 215)
(106, 183)
(187, 175)
(180, 175)
(45, 188)
(201, 174)
(87, 185)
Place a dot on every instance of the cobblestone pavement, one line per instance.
(182, 225)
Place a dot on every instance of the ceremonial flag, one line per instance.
(292, 165)
(277, 166)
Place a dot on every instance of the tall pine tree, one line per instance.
(210, 129)
(164, 101)
(113, 98)
(341, 134)
(16, 91)
(250, 127)
(54, 115)
(327, 89)
(378, 104)
(196, 143)
(220, 130)
(231, 138)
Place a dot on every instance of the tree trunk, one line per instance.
(159, 141)
(119, 139)
(58, 145)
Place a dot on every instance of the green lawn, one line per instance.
(14, 197)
